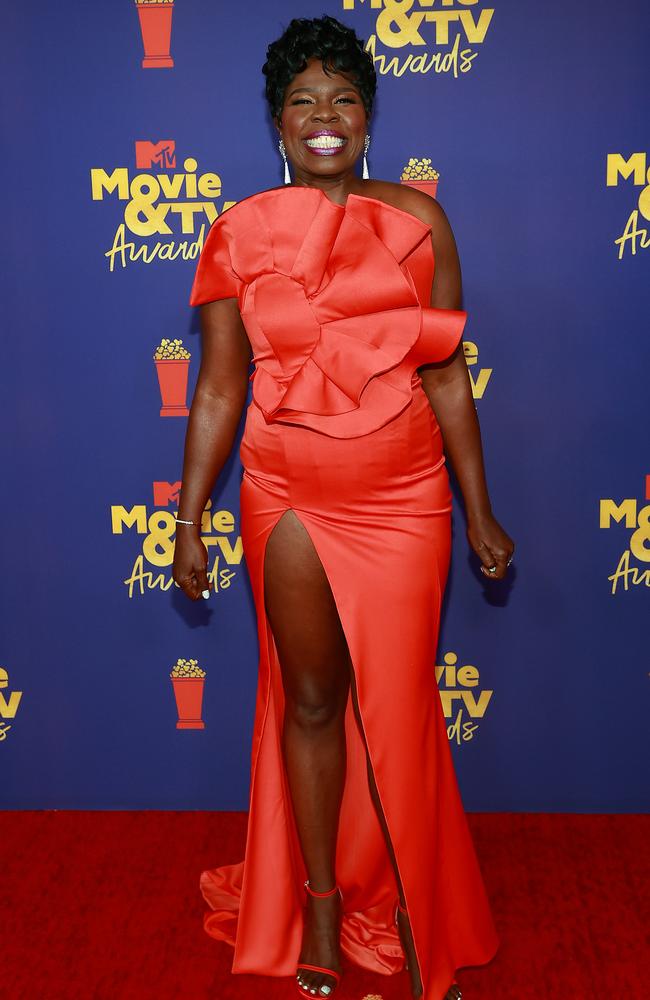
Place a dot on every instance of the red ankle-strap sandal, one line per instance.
(324, 990)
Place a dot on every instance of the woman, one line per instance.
(345, 519)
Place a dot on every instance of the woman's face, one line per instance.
(323, 123)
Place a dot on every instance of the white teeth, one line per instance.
(325, 142)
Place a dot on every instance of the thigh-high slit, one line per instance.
(378, 515)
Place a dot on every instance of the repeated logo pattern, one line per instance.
(418, 36)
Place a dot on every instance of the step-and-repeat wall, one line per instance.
(129, 128)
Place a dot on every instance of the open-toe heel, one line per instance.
(324, 990)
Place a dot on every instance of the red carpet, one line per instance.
(105, 906)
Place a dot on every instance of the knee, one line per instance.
(312, 714)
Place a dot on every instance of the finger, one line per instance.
(189, 586)
(492, 566)
(504, 559)
(203, 584)
(498, 569)
(486, 555)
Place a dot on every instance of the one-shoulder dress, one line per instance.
(335, 302)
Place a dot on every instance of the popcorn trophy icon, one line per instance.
(156, 28)
(172, 365)
(420, 174)
(188, 681)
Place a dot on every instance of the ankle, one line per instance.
(319, 893)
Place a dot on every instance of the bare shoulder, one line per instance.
(409, 199)
(447, 283)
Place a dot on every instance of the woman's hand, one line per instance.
(190, 567)
(492, 545)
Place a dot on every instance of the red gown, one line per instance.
(335, 303)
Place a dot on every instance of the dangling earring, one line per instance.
(366, 143)
(287, 175)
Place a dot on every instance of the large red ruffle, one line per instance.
(334, 301)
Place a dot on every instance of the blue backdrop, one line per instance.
(535, 117)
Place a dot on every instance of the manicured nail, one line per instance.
(206, 594)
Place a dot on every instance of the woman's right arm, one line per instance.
(219, 398)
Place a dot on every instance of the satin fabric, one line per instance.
(335, 302)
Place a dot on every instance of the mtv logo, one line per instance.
(165, 493)
(155, 154)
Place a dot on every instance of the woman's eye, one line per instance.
(305, 100)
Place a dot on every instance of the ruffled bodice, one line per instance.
(334, 299)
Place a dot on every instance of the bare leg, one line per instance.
(315, 675)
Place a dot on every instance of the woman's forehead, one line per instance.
(315, 78)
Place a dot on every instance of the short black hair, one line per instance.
(324, 38)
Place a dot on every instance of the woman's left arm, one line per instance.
(449, 390)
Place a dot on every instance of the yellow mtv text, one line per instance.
(157, 203)
(633, 568)
(633, 170)
(463, 700)
(480, 376)
(439, 36)
(9, 702)
(156, 531)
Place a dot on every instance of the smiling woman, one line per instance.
(321, 98)
(357, 841)
(320, 103)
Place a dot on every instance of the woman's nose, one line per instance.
(325, 113)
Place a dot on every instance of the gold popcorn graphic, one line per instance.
(188, 682)
(169, 350)
(155, 18)
(420, 174)
(172, 362)
(187, 668)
